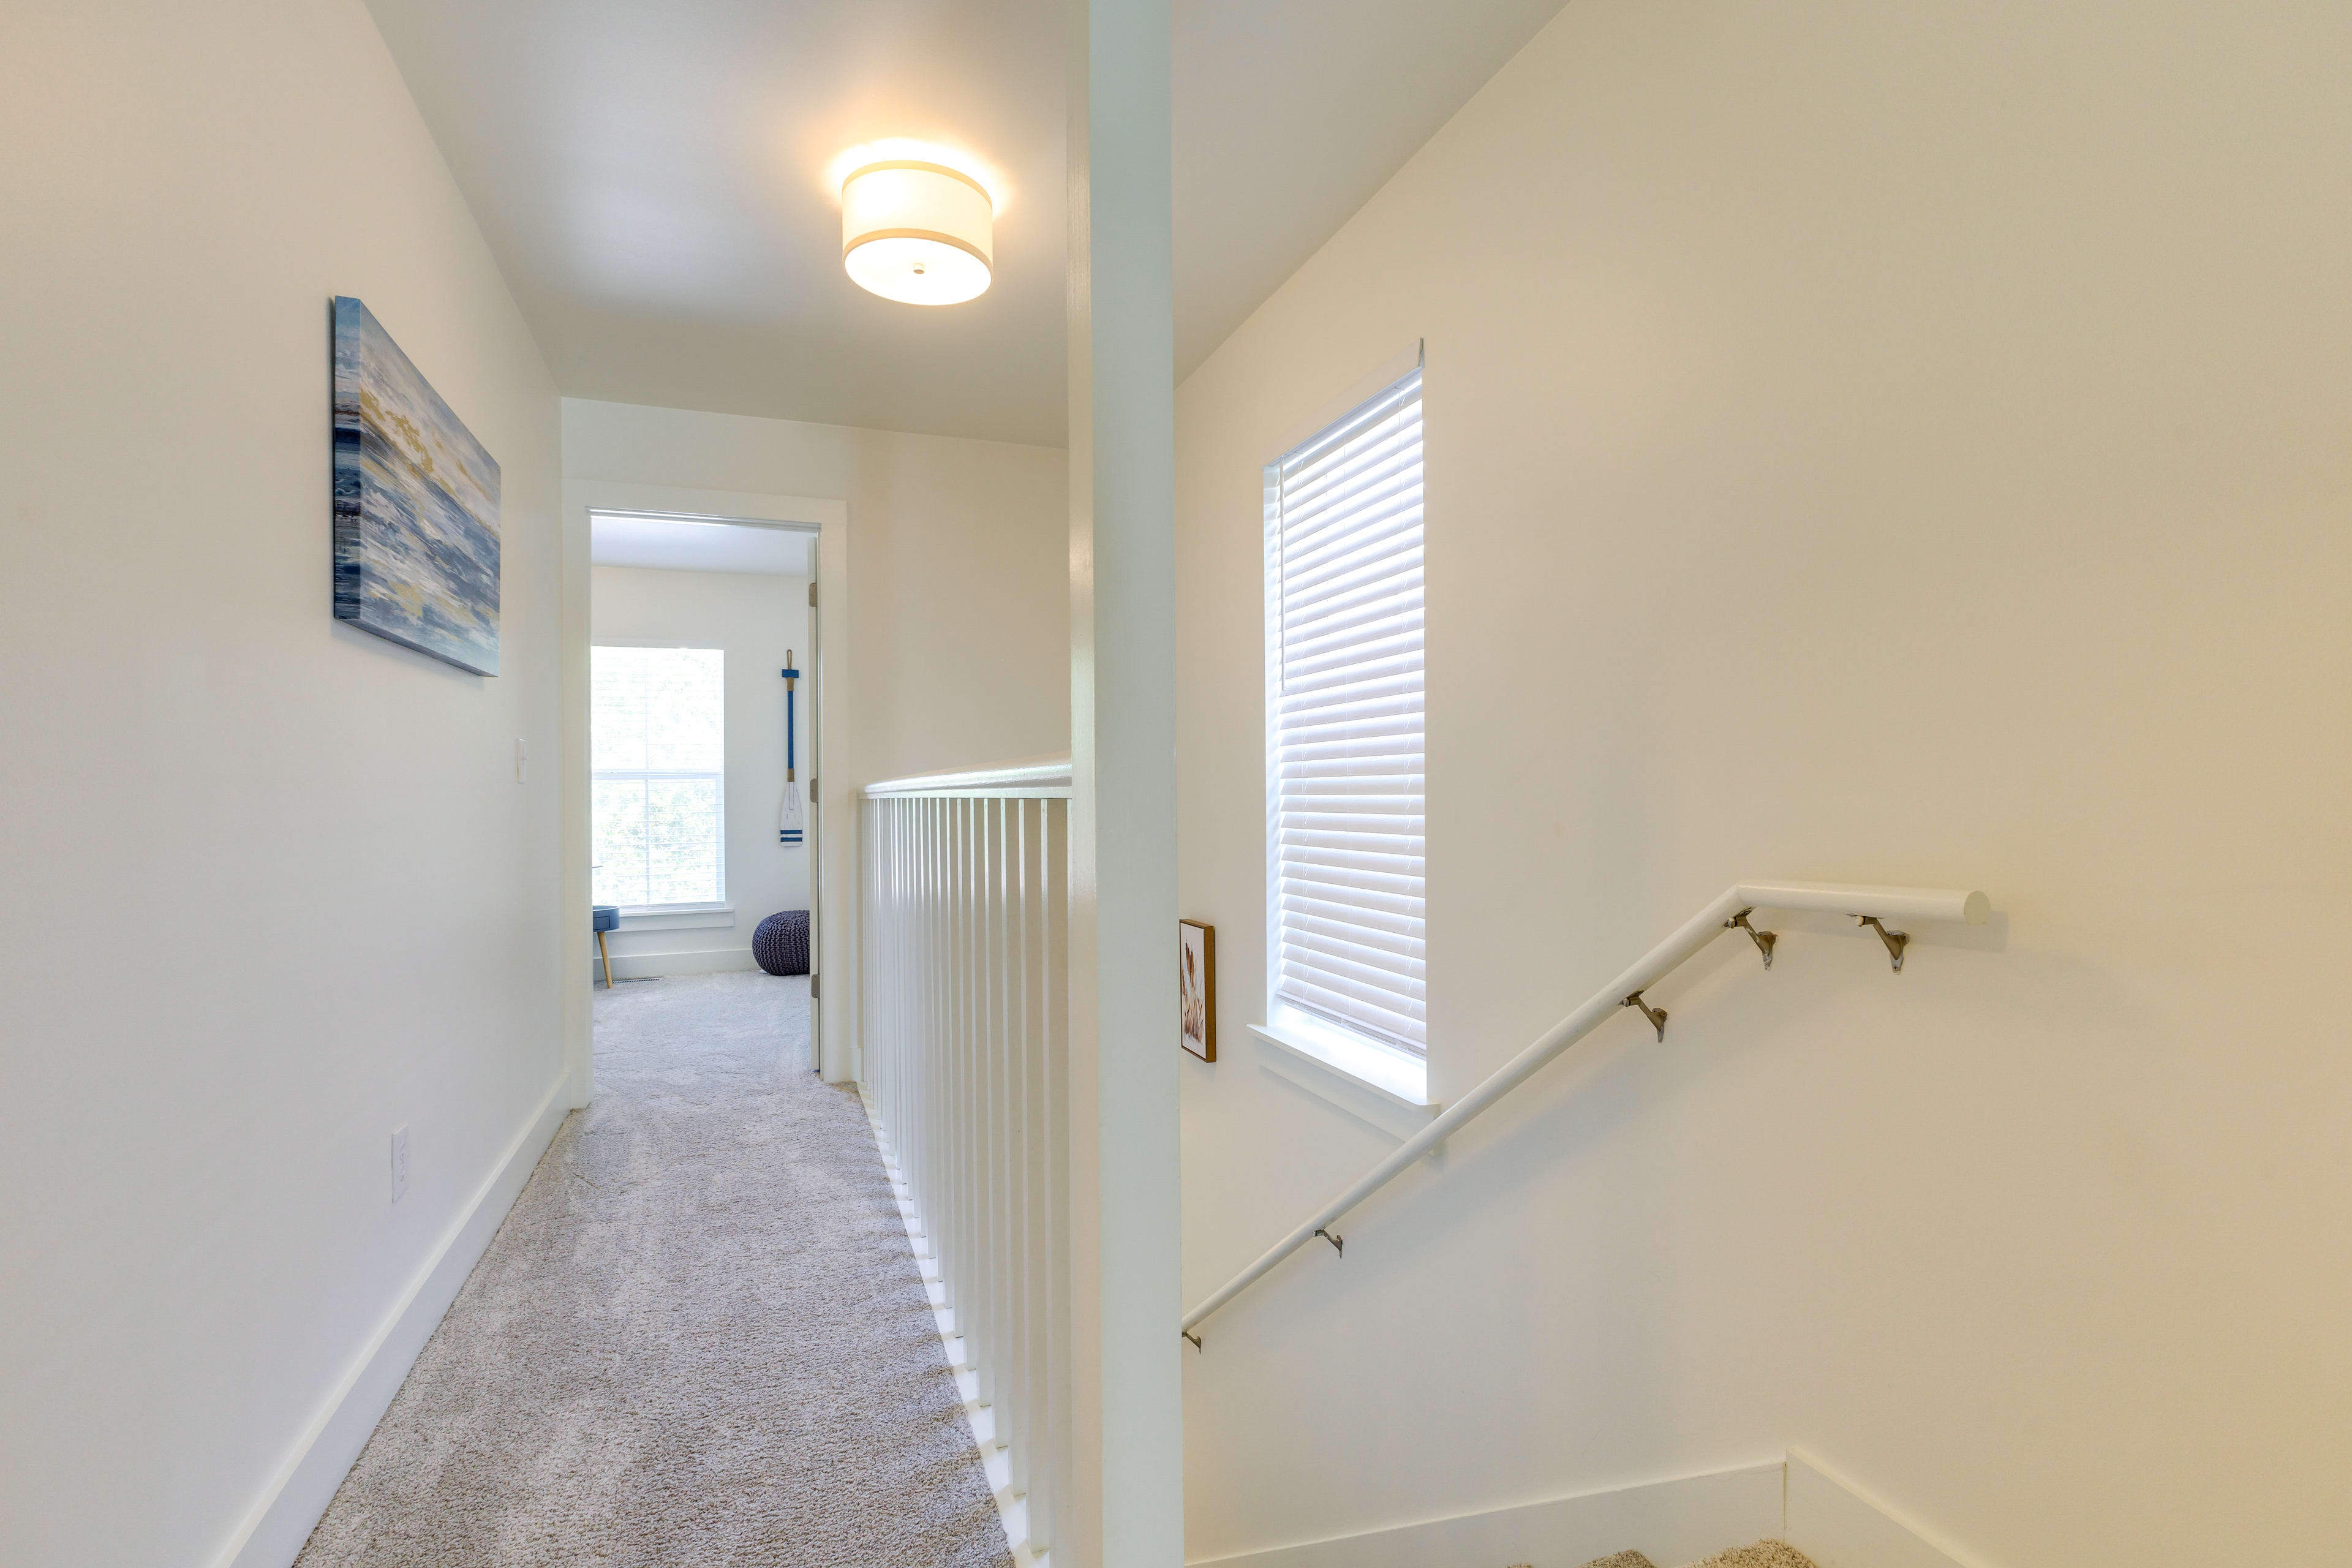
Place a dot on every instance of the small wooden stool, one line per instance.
(602, 918)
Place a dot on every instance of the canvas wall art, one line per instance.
(416, 505)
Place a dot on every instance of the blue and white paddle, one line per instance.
(788, 820)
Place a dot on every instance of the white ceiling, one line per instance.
(691, 545)
(653, 178)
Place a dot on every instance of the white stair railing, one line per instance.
(1870, 907)
(964, 908)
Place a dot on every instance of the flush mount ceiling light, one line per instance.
(917, 231)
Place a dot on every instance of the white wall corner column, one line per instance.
(1126, 1387)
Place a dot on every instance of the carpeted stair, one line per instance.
(1763, 1554)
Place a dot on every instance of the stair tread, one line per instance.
(1762, 1554)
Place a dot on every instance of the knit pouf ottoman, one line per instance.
(780, 942)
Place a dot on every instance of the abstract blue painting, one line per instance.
(416, 505)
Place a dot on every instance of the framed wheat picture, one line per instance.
(1196, 988)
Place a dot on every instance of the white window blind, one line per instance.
(658, 739)
(1345, 720)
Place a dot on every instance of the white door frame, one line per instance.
(832, 796)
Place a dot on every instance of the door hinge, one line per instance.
(812, 595)
(812, 985)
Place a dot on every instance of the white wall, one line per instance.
(958, 578)
(756, 618)
(271, 886)
(1893, 444)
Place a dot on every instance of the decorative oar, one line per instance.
(788, 821)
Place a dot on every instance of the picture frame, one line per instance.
(1196, 988)
(416, 505)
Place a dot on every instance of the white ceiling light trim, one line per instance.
(917, 232)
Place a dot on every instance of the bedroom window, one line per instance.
(659, 745)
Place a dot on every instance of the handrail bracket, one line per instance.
(1337, 1246)
(1895, 940)
(1657, 1016)
(1730, 911)
(1763, 939)
(1194, 1337)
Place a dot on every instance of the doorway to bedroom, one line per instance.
(703, 831)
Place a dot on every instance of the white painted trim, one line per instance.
(1048, 779)
(674, 920)
(275, 1528)
(1394, 1075)
(693, 960)
(812, 513)
(1836, 1524)
(1386, 1088)
(996, 1459)
(1669, 1521)
(1798, 1500)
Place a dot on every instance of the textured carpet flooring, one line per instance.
(1763, 1554)
(700, 1337)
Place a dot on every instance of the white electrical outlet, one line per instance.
(399, 1162)
(523, 760)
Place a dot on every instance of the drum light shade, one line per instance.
(916, 232)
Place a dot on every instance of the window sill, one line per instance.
(1385, 1088)
(676, 916)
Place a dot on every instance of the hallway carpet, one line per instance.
(700, 1337)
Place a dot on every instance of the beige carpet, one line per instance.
(700, 1337)
(1763, 1554)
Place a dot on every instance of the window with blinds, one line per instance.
(1344, 722)
(658, 744)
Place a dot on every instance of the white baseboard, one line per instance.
(1837, 1525)
(1670, 1523)
(273, 1531)
(701, 961)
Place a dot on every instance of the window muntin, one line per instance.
(1344, 722)
(658, 757)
